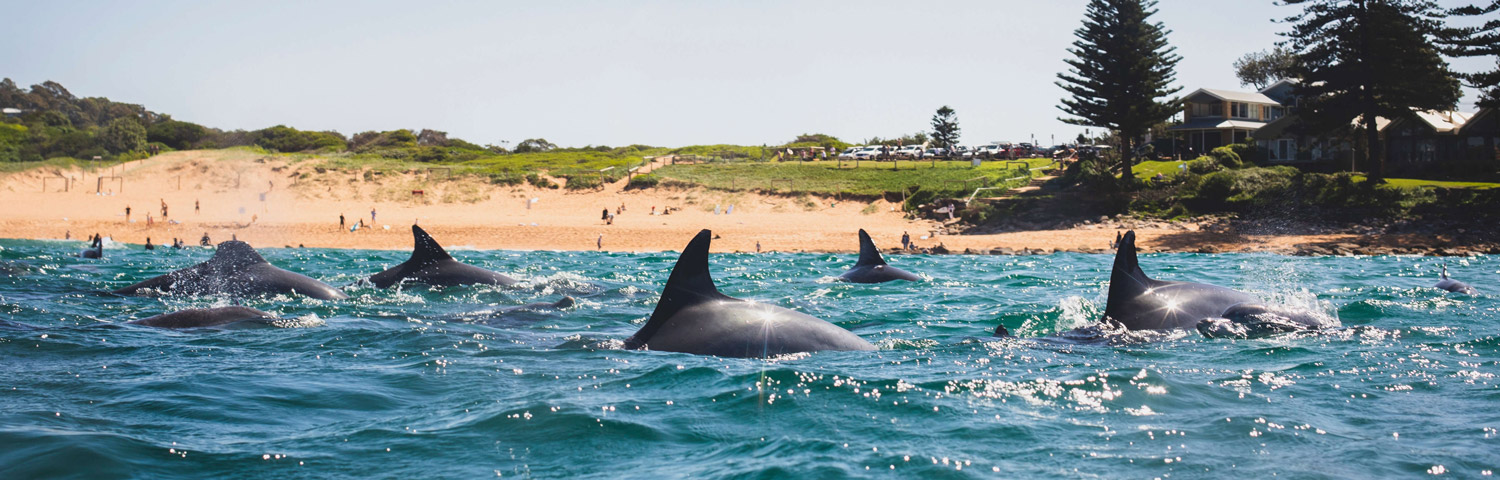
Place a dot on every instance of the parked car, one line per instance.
(909, 151)
(849, 152)
(867, 153)
(937, 152)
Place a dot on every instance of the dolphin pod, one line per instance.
(693, 317)
(871, 268)
(432, 265)
(237, 270)
(1140, 303)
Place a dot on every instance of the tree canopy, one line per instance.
(1263, 68)
(1478, 41)
(1362, 59)
(945, 131)
(1121, 66)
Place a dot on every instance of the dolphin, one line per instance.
(431, 265)
(1140, 303)
(1454, 286)
(871, 268)
(693, 317)
(203, 317)
(235, 269)
(95, 250)
(1253, 320)
(502, 313)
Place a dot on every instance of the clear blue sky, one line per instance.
(668, 73)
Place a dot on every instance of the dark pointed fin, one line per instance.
(868, 254)
(1444, 275)
(1126, 280)
(235, 254)
(690, 284)
(426, 250)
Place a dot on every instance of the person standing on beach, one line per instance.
(127, 214)
(372, 215)
(163, 208)
(148, 220)
(757, 246)
(905, 241)
(195, 207)
(600, 242)
(341, 221)
(604, 215)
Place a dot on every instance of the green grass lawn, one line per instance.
(1150, 169)
(869, 178)
(1417, 183)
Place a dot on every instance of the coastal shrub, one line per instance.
(643, 182)
(1092, 171)
(282, 138)
(1226, 156)
(1251, 185)
(176, 134)
(539, 181)
(123, 134)
(1204, 165)
(583, 183)
(505, 178)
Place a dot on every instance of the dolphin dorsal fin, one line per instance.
(235, 254)
(690, 284)
(425, 249)
(868, 254)
(1127, 279)
(1445, 272)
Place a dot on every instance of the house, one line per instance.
(1214, 118)
(1425, 142)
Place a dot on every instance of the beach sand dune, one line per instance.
(273, 201)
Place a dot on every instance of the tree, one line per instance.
(123, 135)
(944, 128)
(1122, 65)
(534, 145)
(175, 134)
(1263, 68)
(1478, 42)
(1363, 59)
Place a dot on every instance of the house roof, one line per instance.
(1444, 122)
(10, 111)
(1233, 96)
(1217, 123)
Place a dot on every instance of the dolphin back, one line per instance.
(431, 264)
(690, 284)
(1126, 279)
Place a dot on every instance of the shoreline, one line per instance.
(272, 201)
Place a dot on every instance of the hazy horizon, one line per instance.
(666, 73)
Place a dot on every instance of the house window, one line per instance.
(1239, 110)
(1285, 148)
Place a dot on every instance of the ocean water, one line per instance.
(410, 382)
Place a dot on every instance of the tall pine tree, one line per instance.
(944, 128)
(1479, 41)
(1362, 59)
(1122, 64)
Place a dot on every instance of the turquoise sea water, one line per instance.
(409, 383)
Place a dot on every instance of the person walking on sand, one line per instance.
(341, 221)
(600, 242)
(195, 207)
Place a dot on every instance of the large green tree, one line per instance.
(1121, 67)
(123, 135)
(1363, 59)
(1479, 41)
(1263, 68)
(945, 129)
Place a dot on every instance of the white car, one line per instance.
(867, 153)
(909, 151)
(849, 152)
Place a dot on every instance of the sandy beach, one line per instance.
(274, 201)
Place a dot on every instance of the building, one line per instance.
(1214, 118)
(1427, 142)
